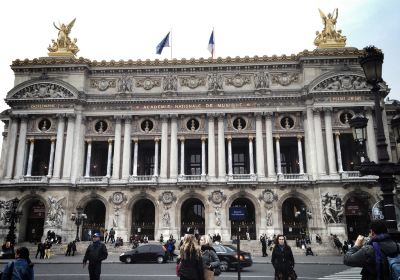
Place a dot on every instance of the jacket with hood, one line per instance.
(209, 256)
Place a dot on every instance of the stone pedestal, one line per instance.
(337, 229)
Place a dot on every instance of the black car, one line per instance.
(228, 257)
(145, 253)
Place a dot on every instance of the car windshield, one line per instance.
(230, 248)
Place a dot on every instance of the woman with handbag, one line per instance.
(190, 265)
(210, 259)
(282, 260)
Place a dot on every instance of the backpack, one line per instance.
(390, 263)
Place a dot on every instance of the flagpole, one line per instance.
(214, 44)
(171, 42)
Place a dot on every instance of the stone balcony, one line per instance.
(34, 179)
(133, 179)
(94, 180)
(292, 177)
(192, 178)
(241, 178)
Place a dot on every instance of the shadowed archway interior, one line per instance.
(192, 217)
(95, 222)
(249, 224)
(143, 219)
(294, 218)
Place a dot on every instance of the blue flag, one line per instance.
(162, 44)
(211, 44)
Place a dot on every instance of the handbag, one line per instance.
(178, 268)
(217, 269)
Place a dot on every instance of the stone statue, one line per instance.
(217, 213)
(332, 208)
(329, 37)
(5, 208)
(215, 82)
(166, 219)
(269, 217)
(64, 46)
(125, 84)
(55, 213)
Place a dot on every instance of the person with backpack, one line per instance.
(373, 255)
(21, 268)
(211, 263)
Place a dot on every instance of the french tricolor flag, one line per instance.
(211, 44)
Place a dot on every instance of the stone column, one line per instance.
(251, 157)
(109, 158)
(203, 156)
(259, 147)
(338, 152)
(300, 152)
(51, 159)
(135, 156)
(211, 147)
(173, 168)
(30, 158)
(182, 173)
(69, 145)
(221, 148)
(319, 145)
(386, 126)
(59, 146)
(126, 155)
(164, 148)
(12, 139)
(311, 143)
(4, 153)
(19, 164)
(278, 155)
(88, 157)
(156, 141)
(270, 145)
(329, 141)
(230, 168)
(371, 138)
(117, 148)
(79, 144)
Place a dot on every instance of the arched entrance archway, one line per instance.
(95, 211)
(143, 218)
(294, 218)
(357, 218)
(248, 225)
(34, 213)
(192, 217)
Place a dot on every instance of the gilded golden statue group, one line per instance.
(329, 37)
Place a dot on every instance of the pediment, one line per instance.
(342, 82)
(43, 90)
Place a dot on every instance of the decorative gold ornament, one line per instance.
(64, 46)
(329, 37)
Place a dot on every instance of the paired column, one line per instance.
(211, 147)
(126, 155)
(12, 141)
(88, 157)
(69, 145)
(329, 141)
(164, 148)
(79, 147)
(173, 168)
(51, 159)
(182, 173)
(221, 148)
(203, 156)
(300, 153)
(259, 147)
(109, 158)
(338, 152)
(278, 155)
(251, 156)
(319, 145)
(156, 144)
(19, 165)
(135, 156)
(270, 145)
(59, 146)
(371, 140)
(230, 167)
(117, 148)
(30, 158)
(311, 142)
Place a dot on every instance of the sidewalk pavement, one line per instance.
(114, 258)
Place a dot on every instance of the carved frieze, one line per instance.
(55, 213)
(217, 197)
(148, 83)
(167, 198)
(342, 83)
(125, 84)
(118, 198)
(44, 90)
(215, 82)
(261, 80)
(237, 80)
(170, 83)
(285, 79)
(103, 84)
(193, 81)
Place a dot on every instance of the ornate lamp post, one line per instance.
(359, 124)
(12, 217)
(371, 62)
(78, 218)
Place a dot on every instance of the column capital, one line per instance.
(23, 117)
(211, 115)
(328, 110)
(164, 118)
(317, 110)
(337, 133)
(135, 139)
(229, 137)
(52, 139)
(127, 118)
(277, 137)
(31, 140)
(88, 140)
(221, 116)
(83, 119)
(70, 116)
(173, 116)
(268, 115)
(60, 116)
(299, 137)
(258, 115)
(251, 137)
(182, 139)
(203, 138)
(156, 139)
(117, 118)
(110, 141)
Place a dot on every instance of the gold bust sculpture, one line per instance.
(330, 37)
(64, 46)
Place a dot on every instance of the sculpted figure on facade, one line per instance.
(55, 213)
(64, 46)
(215, 82)
(166, 218)
(217, 198)
(261, 80)
(217, 214)
(5, 208)
(332, 208)
(43, 90)
(170, 83)
(268, 216)
(125, 84)
(329, 37)
(343, 83)
(268, 197)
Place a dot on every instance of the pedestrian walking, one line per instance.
(371, 254)
(21, 268)
(263, 245)
(73, 248)
(111, 235)
(95, 254)
(69, 248)
(210, 259)
(189, 263)
(47, 251)
(105, 235)
(282, 260)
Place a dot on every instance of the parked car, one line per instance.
(145, 253)
(228, 257)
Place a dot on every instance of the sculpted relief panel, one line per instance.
(43, 90)
(342, 83)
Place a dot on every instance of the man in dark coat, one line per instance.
(363, 255)
(263, 245)
(95, 254)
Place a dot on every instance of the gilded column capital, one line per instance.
(299, 137)
(110, 140)
(251, 138)
(203, 138)
(157, 139)
(135, 139)
(88, 140)
(337, 133)
(277, 137)
(31, 140)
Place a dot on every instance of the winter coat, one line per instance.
(282, 260)
(209, 257)
(191, 267)
(20, 270)
(365, 256)
(95, 253)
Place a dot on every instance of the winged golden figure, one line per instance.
(64, 46)
(63, 32)
(330, 37)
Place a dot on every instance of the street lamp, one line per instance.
(12, 217)
(78, 218)
(359, 124)
(371, 62)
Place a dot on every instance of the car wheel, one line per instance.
(160, 259)
(224, 266)
(128, 260)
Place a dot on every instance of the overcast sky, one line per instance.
(132, 29)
